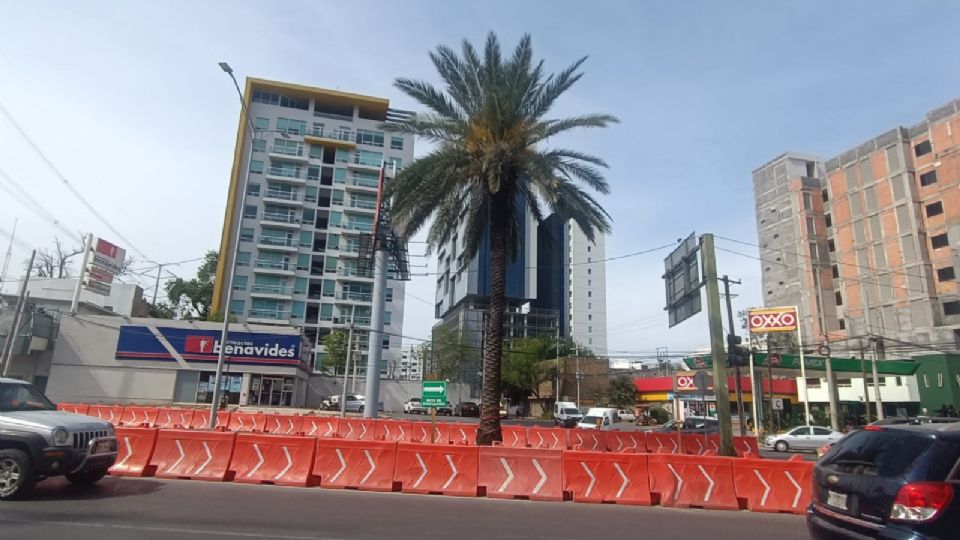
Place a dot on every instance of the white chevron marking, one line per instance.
(314, 430)
(180, 459)
(422, 466)
(206, 448)
(126, 442)
(454, 470)
(253, 471)
(329, 429)
(796, 499)
(766, 487)
(543, 477)
(706, 496)
(373, 466)
(626, 481)
(506, 482)
(593, 479)
(286, 454)
(676, 493)
(343, 465)
(363, 431)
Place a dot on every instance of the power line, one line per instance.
(67, 183)
(16, 190)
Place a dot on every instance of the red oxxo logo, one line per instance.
(773, 320)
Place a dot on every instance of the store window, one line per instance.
(271, 390)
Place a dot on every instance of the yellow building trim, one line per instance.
(663, 396)
(325, 95)
(325, 141)
(229, 217)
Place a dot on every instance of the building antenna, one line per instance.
(6, 258)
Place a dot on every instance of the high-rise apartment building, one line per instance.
(313, 175)
(571, 279)
(867, 243)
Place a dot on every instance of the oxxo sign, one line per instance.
(687, 382)
(766, 320)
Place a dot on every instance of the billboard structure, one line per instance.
(103, 260)
(682, 280)
(773, 320)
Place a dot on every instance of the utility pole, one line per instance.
(832, 397)
(156, 286)
(733, 334)
(878, 346)
(346, 365)
(770, 383)
(866, 387)
(717, 348)
(7, 357)
(9, 254)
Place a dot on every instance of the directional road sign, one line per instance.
(433, 393)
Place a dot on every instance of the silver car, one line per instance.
(802, 438)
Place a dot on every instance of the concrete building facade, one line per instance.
(311, 195)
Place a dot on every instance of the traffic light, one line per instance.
(737, 355)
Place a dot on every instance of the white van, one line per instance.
(566, 414)
(603, 418)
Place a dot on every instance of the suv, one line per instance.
(37, 441)
(414, 406)
(890, 482)
(691, 424)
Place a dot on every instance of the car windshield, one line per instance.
(571, 411)
(590, 419)
(23, 397)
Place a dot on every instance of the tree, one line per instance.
(336, 347)
(525, 367)
(161, 310)
(193, 297)
(449, 351)
(621, 392)
(55, 263)
(491, 158)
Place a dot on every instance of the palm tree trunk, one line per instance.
(489, 431)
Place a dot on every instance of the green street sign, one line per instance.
(433, 393)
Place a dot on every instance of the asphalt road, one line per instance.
(147, 509)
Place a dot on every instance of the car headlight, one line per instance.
(61, 437)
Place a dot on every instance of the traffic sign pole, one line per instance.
(715, 317)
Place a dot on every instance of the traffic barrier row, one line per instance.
(544, 438)
(633, 478)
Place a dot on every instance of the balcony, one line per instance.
(278, 292)
(282, 220)
(330, 137)
(362, 184)
(354, 272)
(355, 296)
(285, 174)
(285, 152)
(361, 205)
(356, 227)
(268, 316)
(273, 243)
(280, 196)
(277, 268)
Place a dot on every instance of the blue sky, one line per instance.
(127, 100)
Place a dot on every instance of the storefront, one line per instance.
(154, 361)
(667, 392)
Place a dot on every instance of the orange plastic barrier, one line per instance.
(437, 469)
(521, 473)
(547, 438)
(395, 430)
(201, 419)
(174, 418)
(420, 432)
(692, 481)
(273, 459)
(356, 429)
(626, 441)
(247, 422)
(283, 424)
(320, 426)
(139, 416)
(592, 440)
(514, 436)
(135, 447)
(194, 454)
(773, 486)
(364, 465)
(697, 444)
(76, 408)
(607, 477)
(110, 413)
(658, 443)
(463, 434)
(746, 445)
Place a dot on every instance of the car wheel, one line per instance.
(360, 409)
(17, 477)
(86, 478)
(781, 446)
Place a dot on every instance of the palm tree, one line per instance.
(489, 158)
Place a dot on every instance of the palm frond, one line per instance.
(429, 96)
(551, 128)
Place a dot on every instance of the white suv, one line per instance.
(414, 406)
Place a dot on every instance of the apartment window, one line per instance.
(589, 271)
(807, 201)
(394, 163)
(908, 247)
(589, 283)
(260, 145)
(396, 143)
(940, 380)
(831, 245)
(951, 308)
(236, 307)
(387, 317)
(589, 260)
(589, 294)
(250, 211)
(261, 123)
(843, 324)
(825, 195)
(316, 151)
(923, 148)
(590, 331)
(879, 256)
(939, 241)
(243, 258)
(364, 157)
(385, 343)
(876, 232)
(253, 189)
(934, 209)
(836, 271)
(589, 317)
(928, 178)
(289, 125)
(839, 298)
(256, 166)
(589, 305)
(856, 206)
(388, 296)
(273, 98)
(828, 220)
(372, 138)
(240, 283)
(946, 274)
(246, 234)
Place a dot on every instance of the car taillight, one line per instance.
(921, 501)
(873, 428)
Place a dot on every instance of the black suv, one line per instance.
(898, 482)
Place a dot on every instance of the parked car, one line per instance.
(892, 482)
(915, 420)
(602, 418)
(446, 409)
(627, 415)
(566, 414)
(37, 441)
(691, 424)
(467, 408)
(414, 406)
(802, 438)
(355, 403)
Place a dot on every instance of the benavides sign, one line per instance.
(194, 345)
